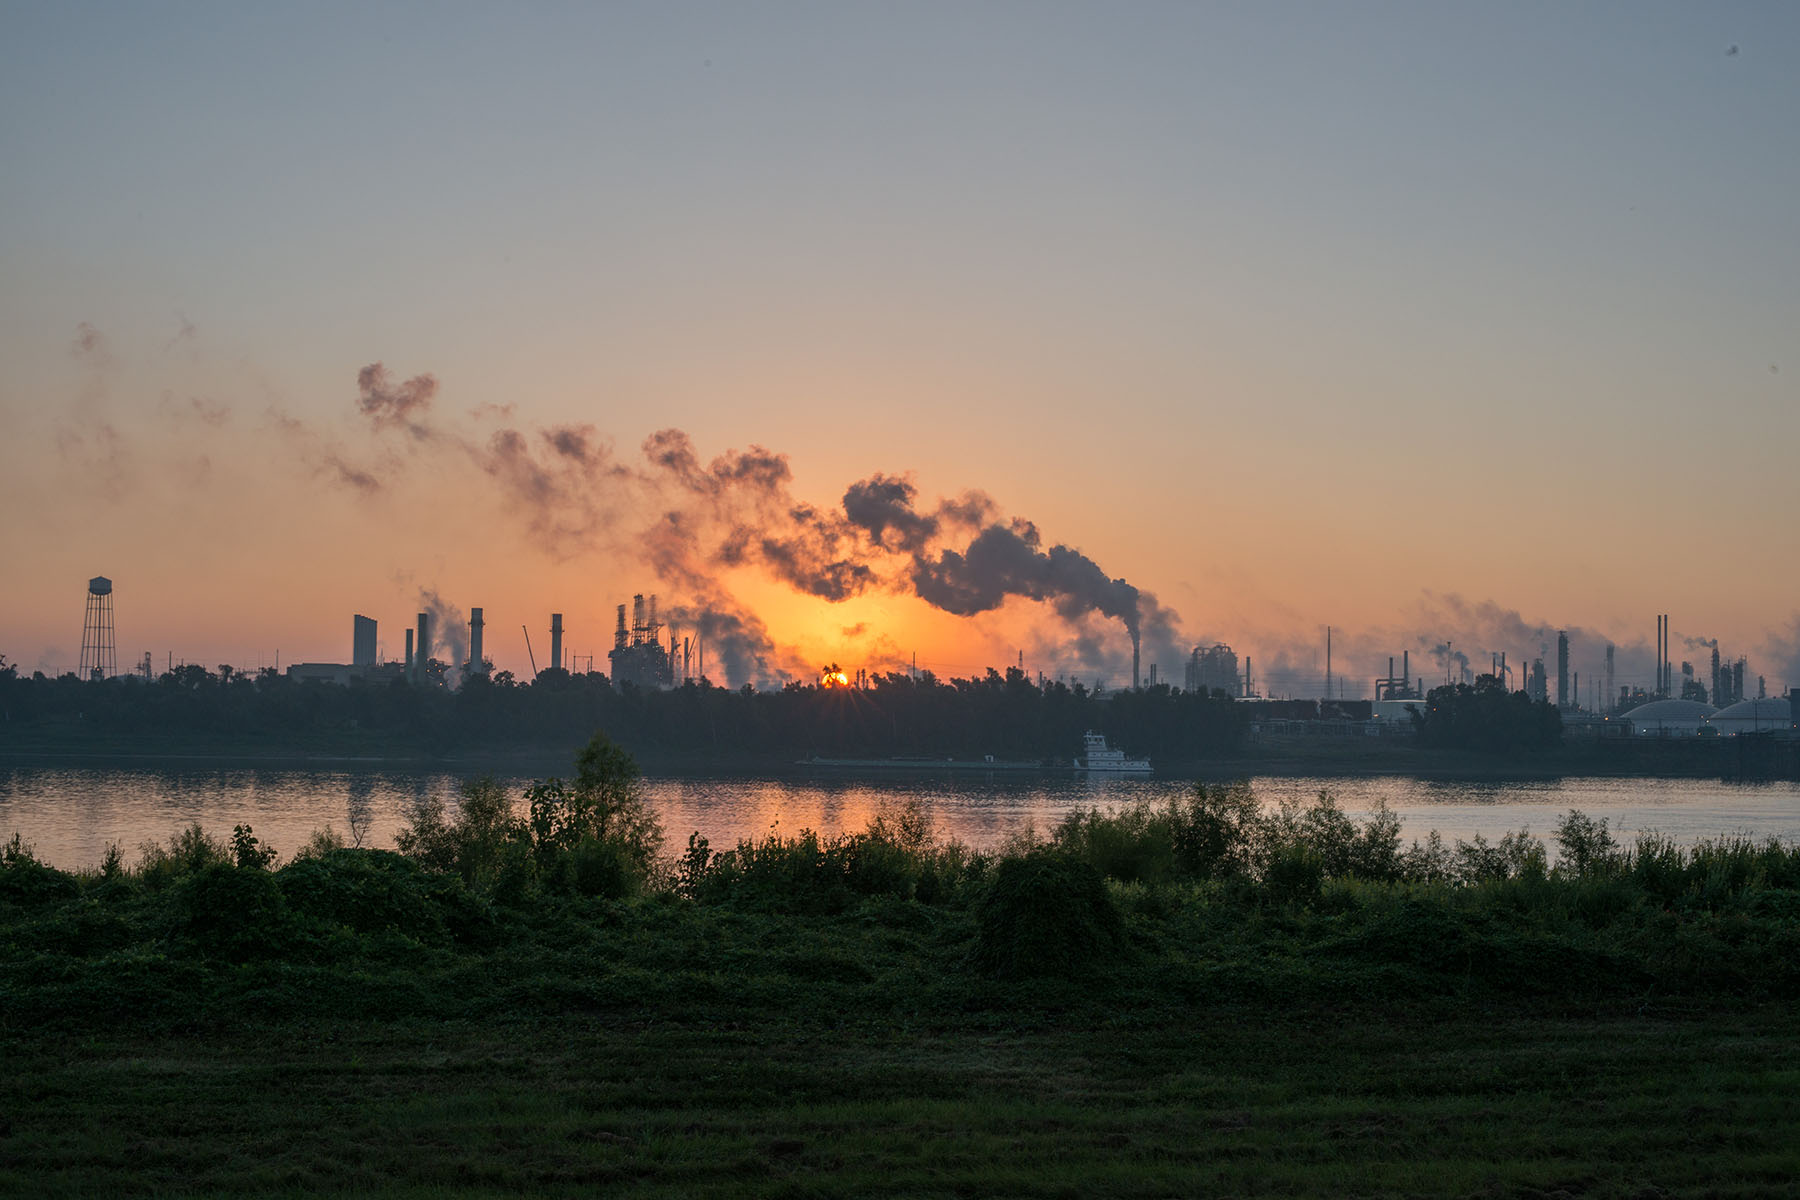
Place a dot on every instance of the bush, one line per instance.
(233, 912)
(1294, 875)
(604, 804)
(188, 853)
(367, 891)
(1044, 913)
(1585, 844)
(26, 881)
(1215, 831)
(474, 844)
(606, 869)
(248, 851)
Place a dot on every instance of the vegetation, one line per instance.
(1487, 717)
(1204, 996)
(1004, 715)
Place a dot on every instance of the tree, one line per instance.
(604, 803)
(1487, 717)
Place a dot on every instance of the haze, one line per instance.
(1436, 324)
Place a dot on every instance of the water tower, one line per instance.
(97, 657)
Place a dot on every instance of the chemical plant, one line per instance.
(1682, 699)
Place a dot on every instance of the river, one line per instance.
(70, 814)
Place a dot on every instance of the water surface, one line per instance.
(70, 814)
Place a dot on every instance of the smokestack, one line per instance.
(1405, 671)
(1562, 669)
(475, 624)
(423, 645)
(362, 641)
(556, 641)
(1134, 662)
(1328, 662)
(409, 655)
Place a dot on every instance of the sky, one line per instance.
(1437, 324)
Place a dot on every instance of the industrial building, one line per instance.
(1402, 686)
(1213, 669)
(1773, 714)
(638, 656)
(1670, 718)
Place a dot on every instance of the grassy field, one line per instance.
(1210, 1101)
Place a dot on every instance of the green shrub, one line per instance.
(604, 803)
(1044, 913)
(26, 881)
(233, 913)
(1215, 829)
(248, 851)
(1586, 845)
(367, 891)
(187, 853)
(606, 869)
(1294, 875)
(474, 844)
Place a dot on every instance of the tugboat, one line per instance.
(1101, 760)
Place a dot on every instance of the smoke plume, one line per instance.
(449, 633)
(695, 519)
(388, 404)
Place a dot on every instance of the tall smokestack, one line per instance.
(423, 644)
(409, 654)
(1134, 661)
(1405, 672)
(1562, 669)
(475, 624)
(556, 641)
(1657, 687)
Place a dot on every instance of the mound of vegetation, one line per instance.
(562, 898)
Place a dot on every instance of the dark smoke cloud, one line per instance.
(1001, 561)
(343, 472)
(1700, 643)
(388, 404)
(882, 507)
(749, 517)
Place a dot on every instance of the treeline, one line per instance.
(566, 898)
(1485, 716)
(1007, 716)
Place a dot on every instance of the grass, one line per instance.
(1224, 1101)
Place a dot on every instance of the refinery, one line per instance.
(1719, 696)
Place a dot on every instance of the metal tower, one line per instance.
(98, 659)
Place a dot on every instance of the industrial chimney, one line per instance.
(423, 644)
(475, 623)
(1562, 669)
(556, 632)
(409, 654)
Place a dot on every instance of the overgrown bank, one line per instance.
(567, 898)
